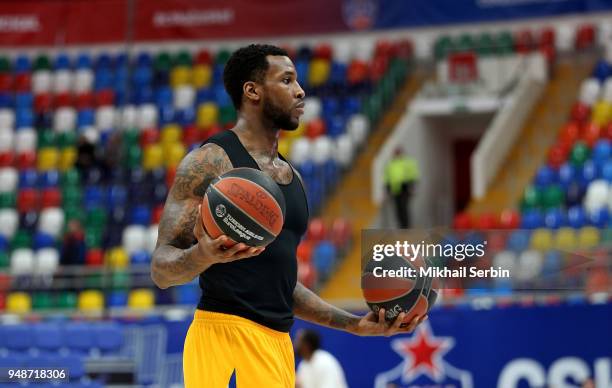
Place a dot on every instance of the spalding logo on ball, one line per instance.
(410, 294)
(246, 205)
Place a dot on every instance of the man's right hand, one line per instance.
(209, 251)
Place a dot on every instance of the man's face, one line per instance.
(283, 97)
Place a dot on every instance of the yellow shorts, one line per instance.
(217, 344)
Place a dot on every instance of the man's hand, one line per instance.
(208, 251)
(373, 325)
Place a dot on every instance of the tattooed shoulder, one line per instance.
(198, 168)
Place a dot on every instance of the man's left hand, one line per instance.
(376, 325)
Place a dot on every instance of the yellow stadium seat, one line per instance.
(565, 239)
(18, 303)
(173, 154)
(153, 157)
(284, 145)
(542, 239)
(171, 134)
(318, 72)
(141, 299)
(201, 76)
(117, 258)
(90, 300)
(68, 157)
(298, 132)
(588, 237)
(48, 158)
(602, 113)
(208, 114)
(180, 75)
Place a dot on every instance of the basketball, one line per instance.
(409, 293)
(246, 205)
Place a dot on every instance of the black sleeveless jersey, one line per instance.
(259, 288)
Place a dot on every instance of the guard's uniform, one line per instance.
(246, 310)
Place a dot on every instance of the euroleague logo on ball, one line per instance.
(220, 210)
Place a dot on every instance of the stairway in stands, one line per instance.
(539, 133)
(352, 198)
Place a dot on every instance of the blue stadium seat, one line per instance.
(117, 299)
(518, 240)
(336, 125)
(117, 196)
(28, 179)
(6, 101)
(22, 64)
(142, 94)
(94, 197)
(141, 215)
(188, 294)
(204, 95)
(24, 100)
(24, 117)
(103, 79)
(166, 114)
(157, 175)
(324, 257)
(75, 365)
(43, 240)
(85, 117)
(160, 192)
(144, 60)
(330, 106)
(29, 221)
(601, 70)
(185, 117)
(62, 62)
(79, 337)
(140, 257)
(137, 176)
(142, 76)
(49, 179)
(602, 151)
(532, 219)
(13, 361)
(600, 218)
(545, 176)
(576, 217)
(83, 61)
(606, 171)
(48, 337)
(4, 246)
(574, 194)
(108, 337)
(555, 219)
(92, 176)
(163, 96)
(18, 338)
(589, 172)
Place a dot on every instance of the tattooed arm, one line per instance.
(310, 307)
(183, 249)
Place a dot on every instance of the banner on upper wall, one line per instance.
(105, 21)
(56, 23)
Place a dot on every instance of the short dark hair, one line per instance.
(311, 338)
(247, 64)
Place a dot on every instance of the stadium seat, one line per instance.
(8, 180)
(108, 337)
(88, 301)
(134, 238)
(588, 237)
(47, 261)
(22, 262)
(18, 303)
(9, 221)
(529, 265)
(597, 195)
(541, 239)
(141, 299)
(51, 221)
(25, 139)
(565, 239)
(18, 338)
(48, 337)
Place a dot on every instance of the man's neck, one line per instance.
(258, 138)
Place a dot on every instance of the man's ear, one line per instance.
(251, 91)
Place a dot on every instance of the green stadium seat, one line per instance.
(162, 62)
(579, 154)
(46, 138)
(73, 212)
(22, 239)
(222, 56)
(553, 197)
(42, 62)
(96, 218)
(66, 300)
(465, 42)
(485, 45)
(42, 301)
(71, 196)
(5, 64)
(8, 200)
(531, 198)
(70, 178)
(67, 139)
(133, 156)
(93, 237)
(5, 260)
(183, 58)
(504, 42)
(120, 280)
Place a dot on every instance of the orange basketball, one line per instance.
(246, 205)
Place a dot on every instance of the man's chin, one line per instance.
(291, 127)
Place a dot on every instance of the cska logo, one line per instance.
(423, 363)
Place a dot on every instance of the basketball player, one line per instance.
(249, 295)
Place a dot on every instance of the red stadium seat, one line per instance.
(580, 112)
(205, 133)
(63, 100)
(23, 82)
(6, 82)
(51, 198)
(570, 133)
(191, 135)
(379, 68)
(170, 174)
(28, 200)
(462, 67)
(357, 72)
(549, 53)
(315, 128)
(509, 219)
(43, 102)
(557, 156)
(84, 101)
(524, 41)
(323, 51)
(104, 97)
(547, 37)
(405, 49)
(316, 230)
(384, 49)
(26, 160)
(157, 214)
(591, 133)
(496, 241)
(94, 257)
(2, 301)
(486, 221)
(5, 282)
(304, 251)
(307, 274)
(341, 233)
(607, 132)
(585, 36)
(7, 158)
(203, 57)
(462, 221)
(148, 136)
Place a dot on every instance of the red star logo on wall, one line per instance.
(423, 353)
